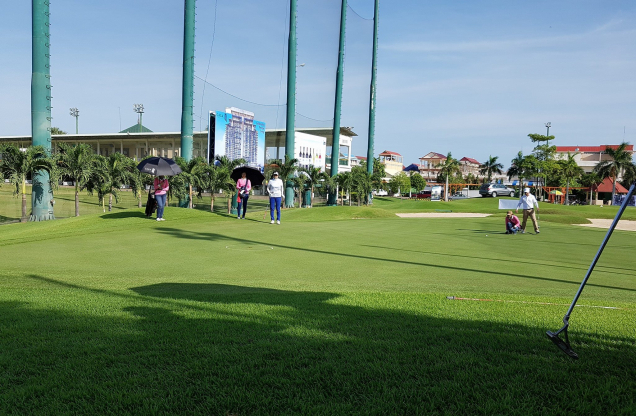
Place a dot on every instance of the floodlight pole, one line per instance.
(187, 92)
(335, 146)
(291, 100)
(42, 195)
(372, 101)
(75, 113)
(139, 109)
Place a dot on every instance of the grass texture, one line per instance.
(113, 313)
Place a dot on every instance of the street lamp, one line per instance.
(139, 109)
(75, 113)
(548, 125)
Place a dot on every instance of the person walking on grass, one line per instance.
(527, 202)
(243, 186)
(275, 190)
(512, 223)
(161, 189)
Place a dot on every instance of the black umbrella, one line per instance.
(253, 174)
(159, 166)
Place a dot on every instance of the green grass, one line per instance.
(204, 314)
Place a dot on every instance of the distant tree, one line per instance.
(569, 170)
(56, 130)
(522, 167)
(76, 162)
(417, 181)
(313, 176)
(591, 179)
(99, 181)
(16, 165)
(614, 167)
(286, 170)
(379, 173)
(362, 183)
(192, 173)
(449, 167)
(491, 166)
(229, 165)
(399, 183)
(345, 181)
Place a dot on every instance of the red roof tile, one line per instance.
(606, 186)
(595, 149)
(435, 156)
(387, 153)
(469, 160)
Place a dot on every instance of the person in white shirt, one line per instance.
(527, 202)
(275, 190)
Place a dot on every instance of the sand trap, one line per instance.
(443, 215)
(622, 224)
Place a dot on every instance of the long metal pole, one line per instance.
(42, 195)
(188, 80)
(372, 101)
(291, 99)
(335, 146)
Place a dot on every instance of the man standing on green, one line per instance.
(527, 202)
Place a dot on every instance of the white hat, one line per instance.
(526, 190)
(275, 173)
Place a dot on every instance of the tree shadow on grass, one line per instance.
(124, 214)
(220, 349)
(206, 236)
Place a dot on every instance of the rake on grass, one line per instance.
(564, 345)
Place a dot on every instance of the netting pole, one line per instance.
(335, 146)
(291, 100)
(374, 71)
(41, 194)
(187, 93)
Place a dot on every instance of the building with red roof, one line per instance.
(587, 157)
(393, 162)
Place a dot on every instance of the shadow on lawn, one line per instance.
(242, 350)
(207, 236)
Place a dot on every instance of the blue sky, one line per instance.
(469, 77)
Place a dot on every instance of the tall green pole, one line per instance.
(374, 71)
(291, 100)
(42, 195)
(188, 80)
(335, 146)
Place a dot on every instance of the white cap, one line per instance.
(275, 173)
(526, 190)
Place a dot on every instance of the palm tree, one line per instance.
(591, 179)
(99, 180)
(17, 165)
(286, 170)
(192, 173)
(449, 167)
(345, 181)
(229, 165)
(362, 184)
(217, 178)
(491, 166)
(120, 172)
(614, 167)
(569, 170)
(314, 175)
(76, 162)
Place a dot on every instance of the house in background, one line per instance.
(588, 156)
(357, 161)
(393, 162)
(428, 165)
(469, 165)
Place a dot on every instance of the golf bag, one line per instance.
(151, 204)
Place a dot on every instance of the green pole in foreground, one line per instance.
(374, 71)
(42, 195)
(291, 100)
(335, 146)
(188, 80)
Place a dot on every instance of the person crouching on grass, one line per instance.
(512, 223)
(527, 202)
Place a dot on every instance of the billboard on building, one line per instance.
(310, 150)
(238, 136)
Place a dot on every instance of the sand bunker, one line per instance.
(443, 215)
(622, 224)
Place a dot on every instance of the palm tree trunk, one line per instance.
(567, 192)
(190, 195)
(110, 202)
(76, 199)
(229, 202)
(212, 202)
(613, 189)
(24, 199)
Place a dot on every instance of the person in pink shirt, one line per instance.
(512, 223)
(243, 187)
(161, 189)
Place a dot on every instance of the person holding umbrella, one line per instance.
(243, 187)
(160, 167)
(275, 190)
(161, 186)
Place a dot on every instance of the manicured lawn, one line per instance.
(204, 314)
